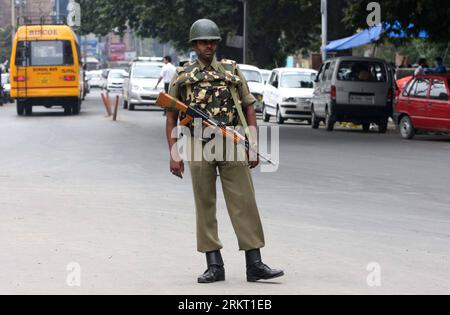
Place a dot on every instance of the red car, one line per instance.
(424, 105)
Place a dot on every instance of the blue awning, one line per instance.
(363, 38)
(368, 36)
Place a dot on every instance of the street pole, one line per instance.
(324, 10)
(13, 20)
(245, 33)
(57, 11)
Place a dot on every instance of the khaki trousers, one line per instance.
(240, 199)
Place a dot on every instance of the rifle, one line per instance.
(166, 101)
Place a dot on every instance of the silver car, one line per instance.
(354, 89)
(139, 87)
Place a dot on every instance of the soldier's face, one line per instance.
(206, 49)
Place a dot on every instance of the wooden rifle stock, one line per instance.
(166, 101)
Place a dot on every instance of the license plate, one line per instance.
(361, 99)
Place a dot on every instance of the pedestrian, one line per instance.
(219, 89)
(440, 68)
(168, 71)
(422, 68)
(1, 87)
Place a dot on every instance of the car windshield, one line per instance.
(252, 76)
(266, 76)
(297, 81)
(116, 75)
(147, 72)
(5, 78)
(368, 71)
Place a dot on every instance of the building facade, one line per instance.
(29, 8)
(5, 13)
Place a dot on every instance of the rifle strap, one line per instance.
(238, 104)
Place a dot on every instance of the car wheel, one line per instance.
(28, 110)
(67, 110)
(366, 127)
(407, 128)
(131, 107)
(280, 119)
(383, 126)
(266, 117)
(315, 122)
(20, 109)
(329, 121)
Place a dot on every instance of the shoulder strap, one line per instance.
(232, 65)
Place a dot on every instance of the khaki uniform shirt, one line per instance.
(244, 93)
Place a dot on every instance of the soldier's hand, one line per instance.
(177, 168)
(253, 160)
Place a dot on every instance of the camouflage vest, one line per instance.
(212, 91)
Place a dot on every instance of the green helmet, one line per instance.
(204, 30)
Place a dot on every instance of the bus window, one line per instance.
(21, 54)
(44, 53)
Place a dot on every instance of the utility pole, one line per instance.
(245, 48)
(13, 20)
(324, 10)
(57, 11)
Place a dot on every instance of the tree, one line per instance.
(276, 27)
(414, 16)
(5, 44)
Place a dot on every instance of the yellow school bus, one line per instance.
(46, 69)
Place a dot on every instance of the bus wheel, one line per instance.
(76, 107)
(67, 110)
(28, 110)
(20, 109)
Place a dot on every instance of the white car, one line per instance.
(139, 87)
(288, 94)
(255, 83)
(96, 79)
(115, 80)
(266, 75)
(6, 87)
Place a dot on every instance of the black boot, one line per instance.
(256, 270)
(215, 271)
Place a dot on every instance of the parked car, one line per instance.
(288, 94)
(139, 86)
(356, 90)
(265, 74)
(96, 79)
(424, 105)
(115, 80)
(6, 88)
(255, 83)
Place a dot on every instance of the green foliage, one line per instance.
(5, 44)
(276, 27)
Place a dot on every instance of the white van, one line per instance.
(354, 89)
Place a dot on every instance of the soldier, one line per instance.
(219, 89)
